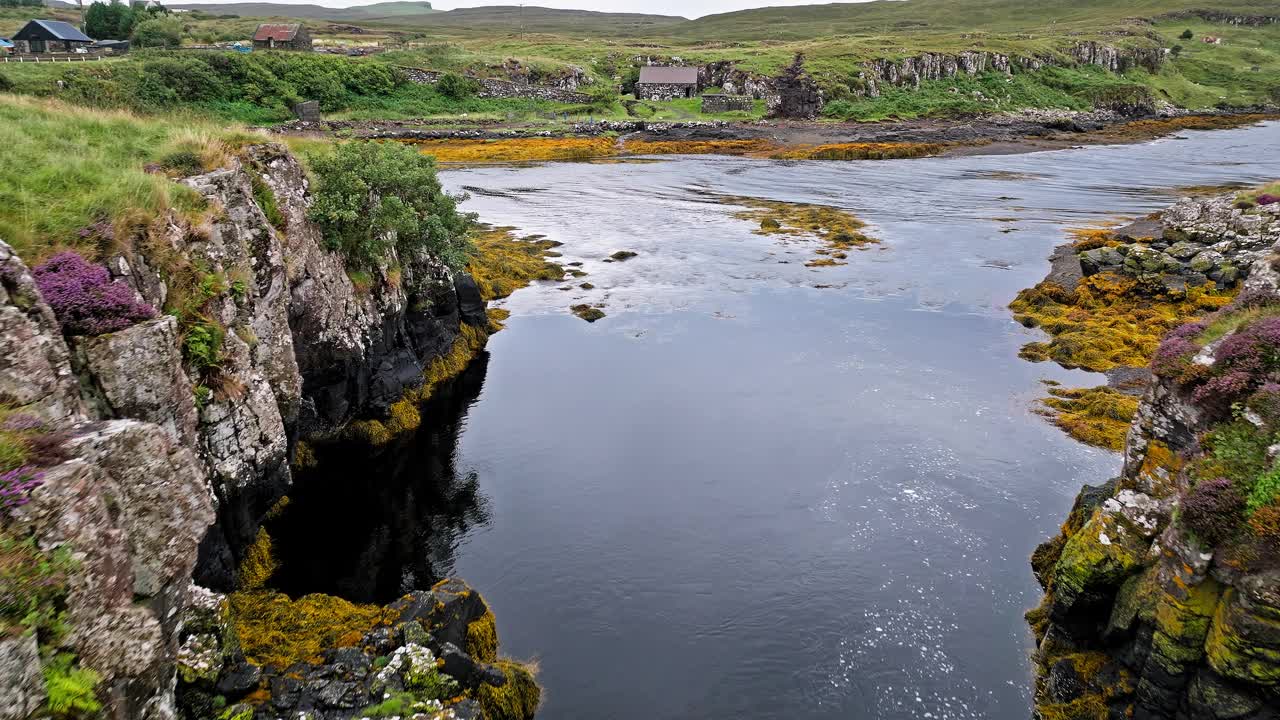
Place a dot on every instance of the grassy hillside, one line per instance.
(267, 9)
(836, 40)
(943, 17)
(67, 167)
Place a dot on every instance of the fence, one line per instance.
(52, 57)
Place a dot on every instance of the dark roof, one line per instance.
(52, 30)
(669, 75)
(277, 32)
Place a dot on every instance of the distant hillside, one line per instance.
(944, 16)
(551, 20)
(316, 12)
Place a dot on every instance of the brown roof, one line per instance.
(669, 75)
(279, 33)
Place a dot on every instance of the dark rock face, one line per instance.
(798, 95)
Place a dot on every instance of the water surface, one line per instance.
(758, 489)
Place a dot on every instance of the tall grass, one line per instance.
(67, 167)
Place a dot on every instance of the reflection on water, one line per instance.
(372, 528)
(760, 489)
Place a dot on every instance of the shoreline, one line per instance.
(1005, 134)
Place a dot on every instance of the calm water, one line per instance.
(741, 495)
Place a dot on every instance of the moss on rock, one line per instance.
(482, 638)
(517, 699)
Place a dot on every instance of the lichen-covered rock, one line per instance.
(21, 683)
(138, 374)
(35, 371)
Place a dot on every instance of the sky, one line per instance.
(685, 8)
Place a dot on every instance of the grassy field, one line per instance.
(67, 167)
(836, 40)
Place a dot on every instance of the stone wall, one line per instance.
(727, 103)
(494, 88)
(664, 91)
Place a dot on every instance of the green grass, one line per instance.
(67, 167)
(1068, 88)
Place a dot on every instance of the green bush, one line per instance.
(158, 32)
(457, 86)
(372, 198)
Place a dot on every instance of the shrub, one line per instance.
(1268, 199)
(1265, 522)
(33, 587)
(15, 488)
(1187, 34)
(85, 298)
(6, 85)
(373, 198)
(457, 87)
(1212, 510)
(183, 163)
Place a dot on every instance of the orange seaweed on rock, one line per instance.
(838, 230)
(517, 149)
(504, 263)
(862, 151)
(1154, 128)
(1108, 320)
(1097, 416)
(698, 147)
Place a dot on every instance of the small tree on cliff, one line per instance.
(377, 197)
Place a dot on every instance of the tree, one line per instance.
(374, 198)
(1187, 34)
(158, 32)
(108, 21)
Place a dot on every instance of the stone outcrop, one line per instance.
(1191, 243)
(1141, 618)
(431, 647)
(171, 464)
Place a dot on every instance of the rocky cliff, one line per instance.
(166, 443)
(1162, 591)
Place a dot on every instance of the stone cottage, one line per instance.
(281, 36)
(50, 36)
(666, 83)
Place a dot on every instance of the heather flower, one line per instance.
(1176, 350)
(1265, 401)
(16, 486)
(19, 422)
(85, 298)
(1267, 199)
(1212, 510)
(1242, 362)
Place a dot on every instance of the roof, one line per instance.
(277, 32)
(4, 42)
(669, 75)
(58, 29)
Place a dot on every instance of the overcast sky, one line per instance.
(686, 8)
